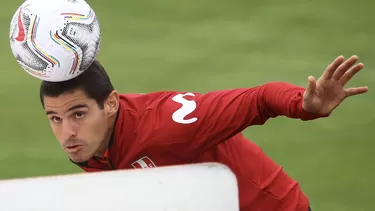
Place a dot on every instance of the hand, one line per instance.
(322, 96)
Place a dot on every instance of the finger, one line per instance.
(344, 67)
(356, 91)
(330, 70)
(349, 74)
(311, 85)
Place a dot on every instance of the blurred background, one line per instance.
(205, 45)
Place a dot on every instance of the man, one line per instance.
(100, 129)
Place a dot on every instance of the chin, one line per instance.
(79, 158)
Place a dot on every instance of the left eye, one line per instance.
(79, 115)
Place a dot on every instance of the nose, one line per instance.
(69, 130)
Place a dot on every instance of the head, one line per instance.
(82, 112)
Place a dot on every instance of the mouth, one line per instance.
(73, 148)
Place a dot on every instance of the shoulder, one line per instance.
(163, 115)
(145, 101)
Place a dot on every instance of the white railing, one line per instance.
(198, 187)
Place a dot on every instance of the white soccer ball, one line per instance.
(55, 40)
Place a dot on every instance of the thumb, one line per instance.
(311, 85)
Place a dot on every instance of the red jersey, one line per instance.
(169, 128)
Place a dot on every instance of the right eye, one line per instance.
(56, 119)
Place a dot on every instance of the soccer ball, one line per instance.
(55, 40)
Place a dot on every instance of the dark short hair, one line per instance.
(94, 82)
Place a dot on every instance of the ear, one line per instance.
(112, 103)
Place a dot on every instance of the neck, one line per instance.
(107, 140)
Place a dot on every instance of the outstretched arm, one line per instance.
(200, 121)
(204, 120)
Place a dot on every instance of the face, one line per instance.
(82, 128)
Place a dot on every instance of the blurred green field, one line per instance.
(203, 45)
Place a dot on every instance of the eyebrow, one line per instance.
(69, 109)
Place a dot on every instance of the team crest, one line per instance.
(144, 162)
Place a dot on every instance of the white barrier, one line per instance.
(199, 187)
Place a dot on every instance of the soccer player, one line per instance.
(100, 129)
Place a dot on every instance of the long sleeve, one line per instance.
(194, 120)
